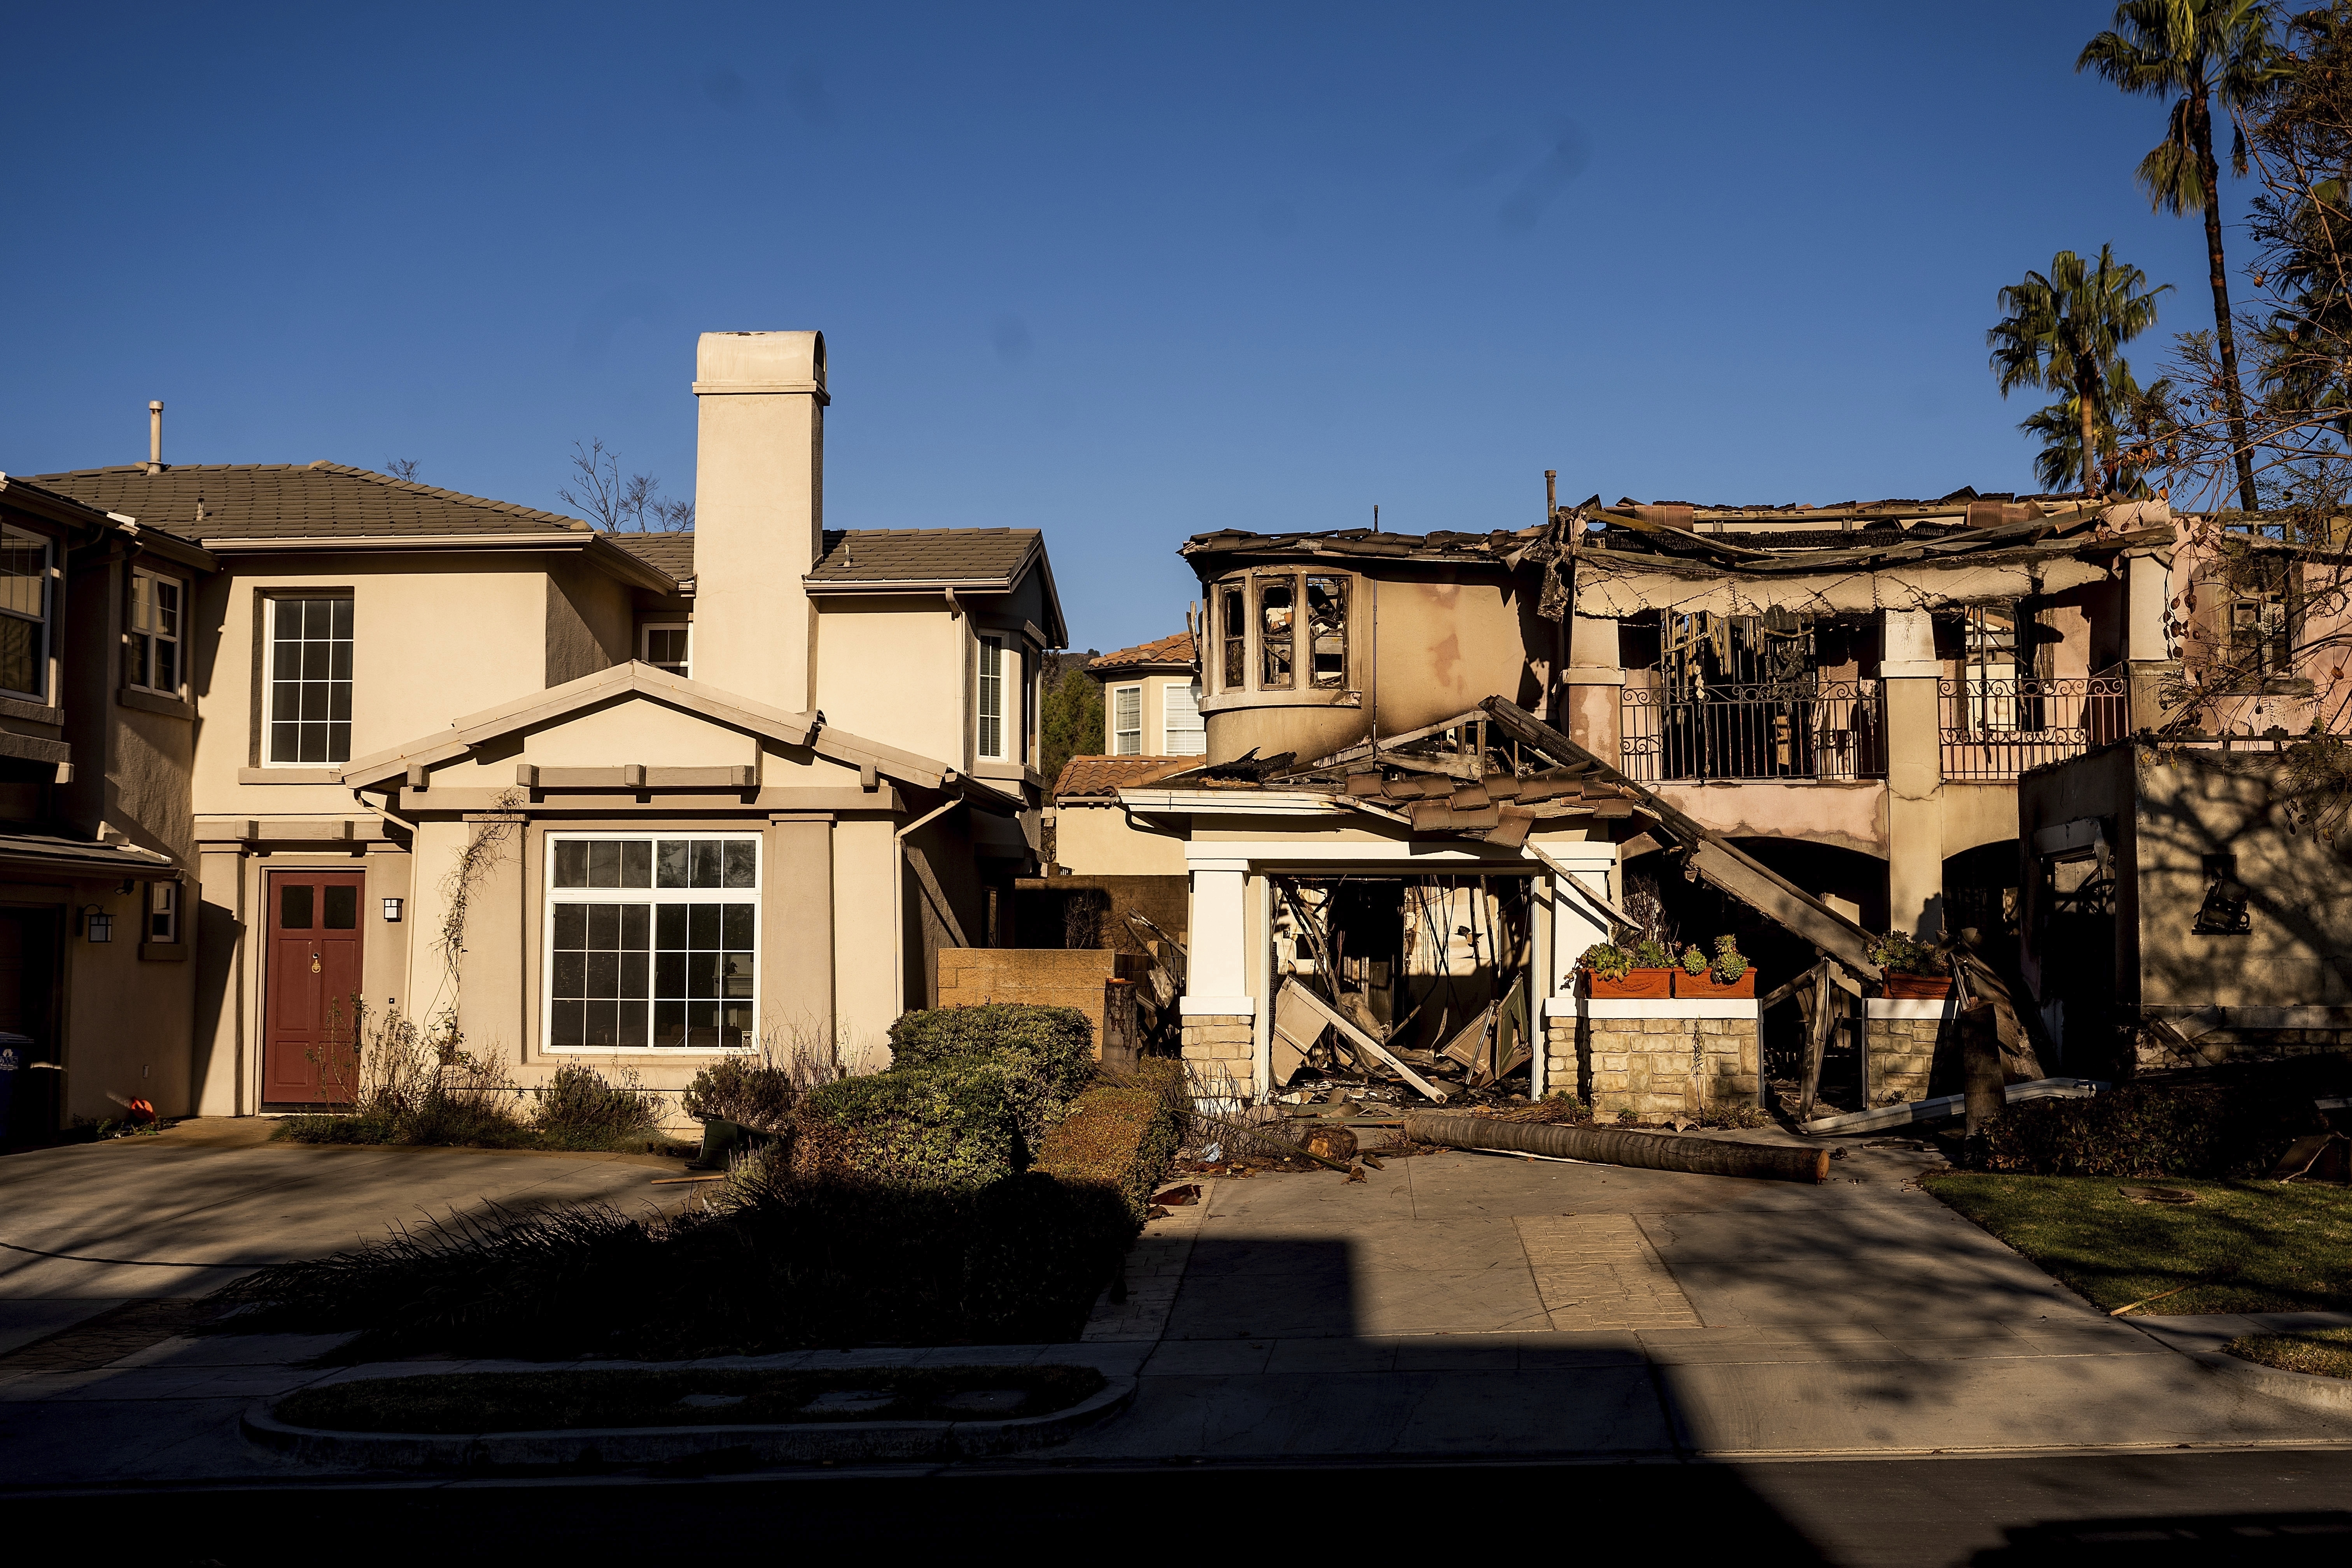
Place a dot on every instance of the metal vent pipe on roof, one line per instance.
(154, 437)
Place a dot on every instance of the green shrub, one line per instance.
(1046, 1054)
(1122, 1139)
(743, 1090)
(578, 1109)
(1693, 960)
(1730, 963)
(1901, 952)
(2232, 1123)
(953, 1126)
(1652, 954)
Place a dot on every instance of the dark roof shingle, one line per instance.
(948, 555)
(671, 553)
(290, 500)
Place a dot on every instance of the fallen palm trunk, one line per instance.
(1606, 1146)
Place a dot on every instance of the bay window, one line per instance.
(652, 941)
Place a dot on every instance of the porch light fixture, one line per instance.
(392, 910)
(96, 925)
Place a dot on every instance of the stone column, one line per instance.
(1907, 677)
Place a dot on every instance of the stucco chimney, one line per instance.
(759, 510)
(154, 437)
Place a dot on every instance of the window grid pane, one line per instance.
(991, 698)
(1126, 722)
(310, 676)
(678, 972)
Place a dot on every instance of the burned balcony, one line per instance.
(1690, 731)
(1997, 729)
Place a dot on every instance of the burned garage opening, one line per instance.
(1415, 979)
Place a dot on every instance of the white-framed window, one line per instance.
(653, 942)
(668, 645)
(992, 726)
(1127, 720)
(309, 701)
(157, 605)
(163, 912)
(1186, 735)
(24, 614)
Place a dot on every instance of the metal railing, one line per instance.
(1999, 729)
(1827, 730)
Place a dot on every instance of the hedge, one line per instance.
(945, 1127)
(2234, 1121)
(1119, 1139)
(1046, 1054)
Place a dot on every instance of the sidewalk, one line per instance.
(1455, 1305)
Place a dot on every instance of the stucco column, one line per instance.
(1593, 680)
(1908, 676)
(2149, 659)
(1220, 1015)
(796, 1008)
(219, 1085)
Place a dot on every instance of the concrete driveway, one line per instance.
(88, 1228)
(1459, 1304)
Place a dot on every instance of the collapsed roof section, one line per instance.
(1634, 558)
(1497, 773)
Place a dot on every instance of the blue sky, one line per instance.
(1123, 273)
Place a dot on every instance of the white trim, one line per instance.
(1245, 855)
(1909, 1006)
(1135, 689)
(1218, 1007)
(551, 896)
(981, 676)
(644, 653)
(1653, 1007)
(271, 601)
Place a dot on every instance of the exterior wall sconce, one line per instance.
(392, 910)
(96, 925)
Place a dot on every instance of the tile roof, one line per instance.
(1175, 650)
(672, 552)
(943, 555)
(1085, 778)
(282, 501)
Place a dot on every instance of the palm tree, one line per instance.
(2065, 331)
(2189, 50)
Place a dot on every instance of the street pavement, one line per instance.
(1517, 1318)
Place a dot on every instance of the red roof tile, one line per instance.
(1174, 650)
(1099, 778)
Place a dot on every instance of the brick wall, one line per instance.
(1914, 1050)
(1655, 1065)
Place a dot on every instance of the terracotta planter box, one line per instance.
(1918, 987)
(1652, 984)
(1687, 984)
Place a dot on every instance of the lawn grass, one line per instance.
(2243, 1246)
(571, 1400)
(2326, 1352)
(480, 1132)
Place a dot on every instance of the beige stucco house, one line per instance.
(96, 856)
(621, 799)
(1151, 700)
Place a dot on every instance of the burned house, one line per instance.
(1441, 767)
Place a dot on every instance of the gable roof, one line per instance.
(633, 679)
(24, 496)
(1173, 651)
(1101, 778)
(239, 507)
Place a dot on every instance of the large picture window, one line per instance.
(24, 614)
(309, 696)
(652, 941)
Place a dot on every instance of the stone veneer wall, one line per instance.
(1914, 1050)
(1655, 1065)
(1221, 1050)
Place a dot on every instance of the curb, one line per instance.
(808, 1443)
(2307, 1389)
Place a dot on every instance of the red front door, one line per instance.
(313, 979)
